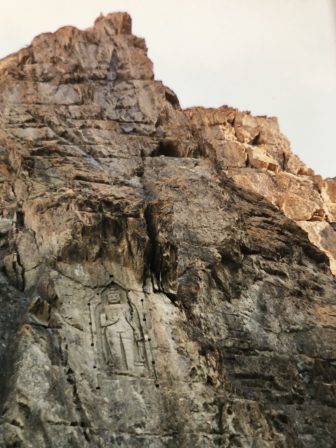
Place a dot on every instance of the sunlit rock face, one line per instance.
(253, 152)
(158, 286)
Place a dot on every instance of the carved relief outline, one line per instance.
(121, 341)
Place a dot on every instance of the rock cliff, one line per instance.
(165, 274)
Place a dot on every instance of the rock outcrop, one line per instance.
(253, 152)
(158, 286)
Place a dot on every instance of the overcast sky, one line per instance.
(274, 57)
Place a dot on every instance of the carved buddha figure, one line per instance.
(122, 340)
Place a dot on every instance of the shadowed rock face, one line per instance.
(154, 294)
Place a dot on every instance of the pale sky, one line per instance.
(272, 57)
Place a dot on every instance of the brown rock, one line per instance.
(154, 292)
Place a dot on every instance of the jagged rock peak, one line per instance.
(117, 22)
(72, 55)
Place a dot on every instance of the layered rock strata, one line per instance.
(253, 152)
(157, 287)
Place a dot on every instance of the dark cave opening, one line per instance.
(167, 149)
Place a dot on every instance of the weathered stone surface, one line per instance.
(153, 291)
(259, 158)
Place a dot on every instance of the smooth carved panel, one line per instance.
(122, 342)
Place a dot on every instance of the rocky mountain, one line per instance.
(166, 274)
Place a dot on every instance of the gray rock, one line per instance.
(148, 300)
